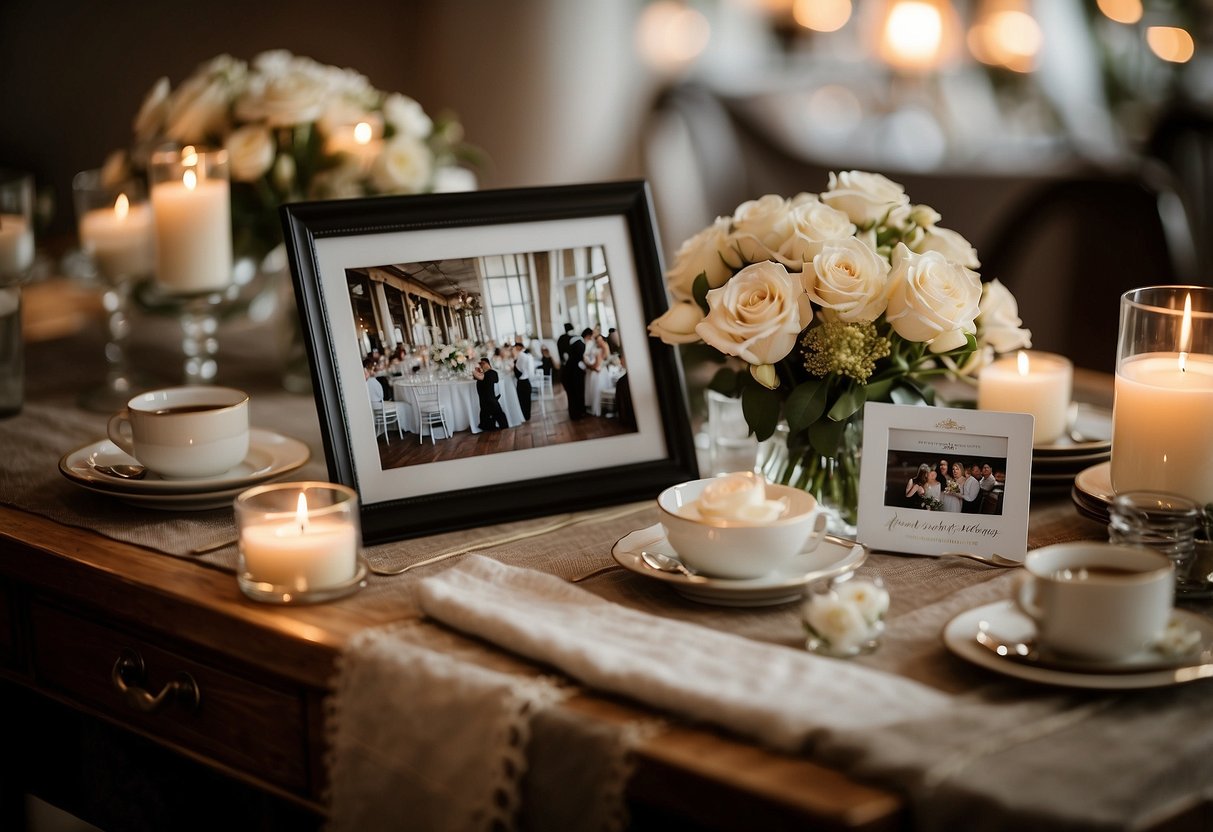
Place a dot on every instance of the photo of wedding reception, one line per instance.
(469, 356)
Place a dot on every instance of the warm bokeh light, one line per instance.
(917, 35)
(670, 35)
(1122, 11)
(1171, 43)
(1008, 38)
(122, 207)
(822, 15)
(363, 132)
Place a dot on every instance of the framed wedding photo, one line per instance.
(934, 480)
(411, 307)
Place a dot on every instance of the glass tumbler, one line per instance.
(16, 264)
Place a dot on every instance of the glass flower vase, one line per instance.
(832, 478)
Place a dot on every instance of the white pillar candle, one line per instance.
(16, 244)
(359, 141)
(1039, 383)
(119, 238)
(193, 233)
(300, 552)
(1162, 438)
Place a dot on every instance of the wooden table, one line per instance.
(72, 603)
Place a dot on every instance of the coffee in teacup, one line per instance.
(1095, 600)
(184, 432)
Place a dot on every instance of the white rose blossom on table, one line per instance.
(845, 617)
(289, 124)
(832, 300)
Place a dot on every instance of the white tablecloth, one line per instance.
(457, 396)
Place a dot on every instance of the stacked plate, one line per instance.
(1092, 492)
(1055, 466)
(270, 455)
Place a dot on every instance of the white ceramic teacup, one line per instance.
(184, 432)
(738, 548)
(1097, 600)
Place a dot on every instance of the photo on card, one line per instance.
(936, 480)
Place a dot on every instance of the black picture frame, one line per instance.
(326, 238)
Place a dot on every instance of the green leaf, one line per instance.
(761, 409)
(725, 382)
(805, 405)
(825, 436)
(905, 393)
(850, 401)
(878, 391)
(699, 291)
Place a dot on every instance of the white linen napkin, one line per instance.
(778, 696)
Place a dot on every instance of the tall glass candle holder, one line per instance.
(16, 264)
(115, 226)
(191, 200)
(1162, 437)
(299, 542)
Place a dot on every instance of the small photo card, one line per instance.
(942, 479)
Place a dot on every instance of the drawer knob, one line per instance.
(129, 676)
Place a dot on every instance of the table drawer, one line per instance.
(244, 724)
(8, 625)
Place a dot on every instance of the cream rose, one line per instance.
(709, 252)
(864, 197)
(932, 299)
(761, 227)
(998, 322)
(677, 325)
(149, 122)
(250, 152)
(739, 497)
(757, 315)
(812, 225)
(405, 165)
(839, 623)
(198, 109)
(951, 245)
(871, 600)
(849, 278)
(282, 100)
(406, 116)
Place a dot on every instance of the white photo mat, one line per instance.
(897, 439)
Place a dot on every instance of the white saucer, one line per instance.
(202, 501)
(1145, 670)
(270, 455)
(834, 556)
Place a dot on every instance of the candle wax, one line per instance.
(282, 554)
(193, 235)
(122, 246)
(1162, 435)
(1044, 391)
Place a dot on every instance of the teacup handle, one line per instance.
(120, 437)
(820, 522)
(1025, 597)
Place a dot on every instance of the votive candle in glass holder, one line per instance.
(115, 225)
(1162, 418)
(1040, 383)
(191, 200)
(299, 542)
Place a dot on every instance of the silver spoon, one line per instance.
(1024, 650)
(665, 563)
(988, 560)
(122, 472)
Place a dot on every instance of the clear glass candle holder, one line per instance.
(299, 542)
(16, 265)
(844, 616)
(114, 223)
(1162, 438)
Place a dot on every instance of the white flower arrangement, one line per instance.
(847, 618)
(454, 357)
(298, 129)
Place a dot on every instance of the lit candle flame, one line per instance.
(363, 133)
(190, 180)
(189, 156)
(1185, 333)
(1022, 361)
(913, 35)
(301, 512)
(122, 207)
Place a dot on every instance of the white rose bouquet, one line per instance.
(298, 129)
(833, 300)
(453, 357)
